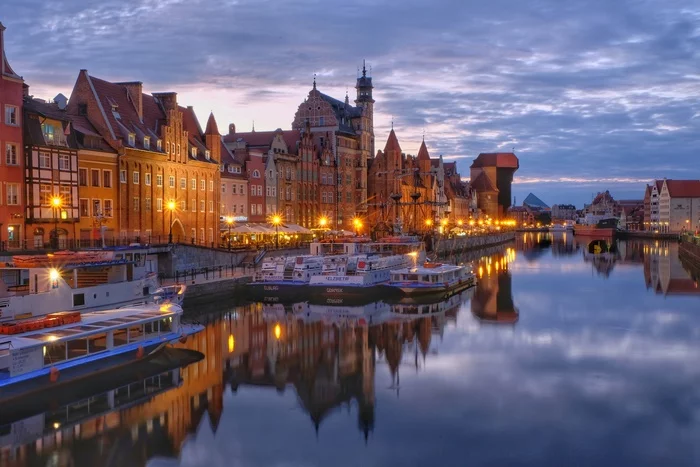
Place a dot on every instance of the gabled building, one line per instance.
(163, 156)
(234, 187)
(12, 196)
(491, 176)
(679, 205)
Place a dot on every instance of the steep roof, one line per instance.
(392, 143)
(683, 188)
(533, 201)
(5, 67)
(482, 183)
(506, 160)
(423, 153)
(343, 113)
(35, 111)
(212, 127)
(263, 139)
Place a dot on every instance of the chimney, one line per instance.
(231, 128)
(135, 91)
(167, 99)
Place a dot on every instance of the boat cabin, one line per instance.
(430, 273)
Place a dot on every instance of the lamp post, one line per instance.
(357, 223)
(323, 222)
(276, 220)
(229, 221)
(171, 208)
(56, 203)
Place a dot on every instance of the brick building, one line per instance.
(163, 156)
(491, 176)
(11, 162)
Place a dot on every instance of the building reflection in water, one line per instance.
(493, 299)
(327, 355)
(664, 272)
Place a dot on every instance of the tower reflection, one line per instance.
(493, 299)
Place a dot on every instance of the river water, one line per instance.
(557, 358)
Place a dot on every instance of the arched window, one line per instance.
(256, 173)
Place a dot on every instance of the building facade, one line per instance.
(679, 205)
(491, 176)
(11, 162)
(163, 156)
(563, 212)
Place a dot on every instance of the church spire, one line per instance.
(314, 81)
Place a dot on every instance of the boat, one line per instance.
(84, 345)
(432, 278)
(605, 228)
(32, 286)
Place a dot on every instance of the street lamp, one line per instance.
(229, 221)
(358, 225)
(56, 203)
(276, 221)
(171, 208)
(428, 223)
(323, 222)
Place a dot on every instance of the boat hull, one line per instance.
(593, 231)
(413, 290)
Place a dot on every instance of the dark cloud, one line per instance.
(592, 89)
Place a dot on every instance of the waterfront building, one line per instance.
(564, 212)
(651, 206)
(679, 205)
(50, 173)
(163, 156)
(602, 206)
(255, 172)
(535, 204)
(462, 201)
(349, 130)
(12, 197)
(491, 176)
(521, 215)
(631, 214)
(234, 187)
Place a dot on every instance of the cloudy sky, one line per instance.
(592, 94)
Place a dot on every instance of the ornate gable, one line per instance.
(316, 111)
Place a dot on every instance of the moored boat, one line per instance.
(431, 278)
(603, 228)
(94, 342)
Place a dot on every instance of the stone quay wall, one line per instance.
(689, 254)
(187, 257)
(459, 245)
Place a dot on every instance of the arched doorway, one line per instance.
(39, 237)
(178, 231)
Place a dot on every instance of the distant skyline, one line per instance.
(592, 95)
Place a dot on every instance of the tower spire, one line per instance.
(364, 69)
(314, 80)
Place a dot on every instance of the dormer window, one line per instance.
(221, 168)
(132, 139)
(146, 142)
(231, 169)
(194, 152)
(159, 145)
(207, 155)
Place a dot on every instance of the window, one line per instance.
(211, 237)
(259, 190)
(323, 197)
(320, 121)
(12, 190)
(159, 145)
(108, 208)
(137, 203)
(83, 207)
(202, 205)
(159, 180)
(194, 152)
(223, 188)
(252, 190)
(256, 173)
(132, 139)
(107, 178)
(122, 176)
(207, 155)
(135, 178)
(183, 205)
(95, 177)
(159, 204)
(45, 163)
(96, 208)
(242, 189)
(193, 184)
(167, 148)
(146, 142)
(211, 206)
(274, 191)
(201, 235)
(183, 183)
(147, 179)
(234, 209)
(252, 209)
(203, 185)
(268, 191)
(64, 162)
(211, 185)
(233, 188)
(260, 211)
(82, 174)
(171, 181)
(242, 209)
(330, 197)
(11, 154)
(11, 115)
(45, 193)
(193, 205)
(178, 150)
(147, 204)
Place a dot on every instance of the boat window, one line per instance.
(135, 333)
(78, 299)
(54, 353)
(119, 337)
(412, 277)
(166, 325)
(98, 342)
(426, 278)
(77, 348)
(128, 256)
(151, 328)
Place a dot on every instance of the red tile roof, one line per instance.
(392, 143)
(683, 188)
(423, 153)
(263, 139)
(506, 160)
(482, 183)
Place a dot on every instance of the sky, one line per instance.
(591, 95)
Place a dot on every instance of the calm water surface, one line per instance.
(556, 359)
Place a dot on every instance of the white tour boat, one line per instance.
(68, 346)
(432, 278)
(31, 286)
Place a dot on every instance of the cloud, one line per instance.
(592, 89)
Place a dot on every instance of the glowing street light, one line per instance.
(278, 331)
(276, 221)
(358, 225)
(171, 208)
(323, 222)
(56, 202)
(229, 221)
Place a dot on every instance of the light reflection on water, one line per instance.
(557, 358)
